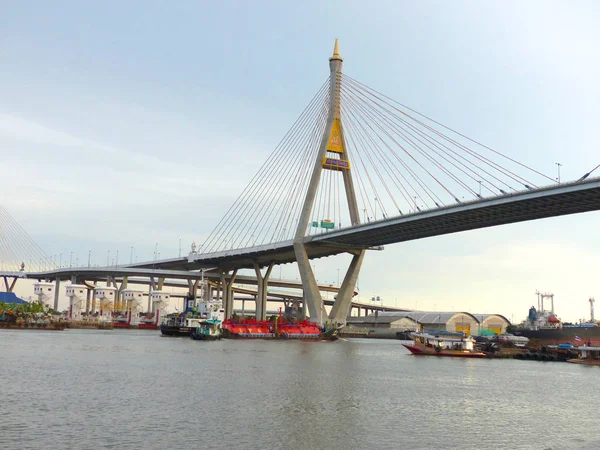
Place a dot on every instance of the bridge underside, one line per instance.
(538, 204)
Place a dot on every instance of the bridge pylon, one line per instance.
(332, 155)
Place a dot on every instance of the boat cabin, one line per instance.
(589, 353)
(450, 341)
(191, 322)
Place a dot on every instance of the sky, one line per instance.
(129, 126)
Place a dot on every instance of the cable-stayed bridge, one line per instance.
(359, 170)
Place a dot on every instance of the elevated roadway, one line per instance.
(559, 200)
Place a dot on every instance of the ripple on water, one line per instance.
(85, 389)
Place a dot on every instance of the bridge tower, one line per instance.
(332, 155)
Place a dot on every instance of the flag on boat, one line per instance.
(577, 339)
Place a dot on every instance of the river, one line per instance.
(88, 389)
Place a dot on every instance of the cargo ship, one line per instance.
(277, 329)
(545, 327)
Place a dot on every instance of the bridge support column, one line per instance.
(342, 303)
(150, 295)
(312, 295)
(120, 290)
(56, 289)
(88, 296)
(227, 289)
(11, 286)
(206, 292)
(262, 284)
(193, 290)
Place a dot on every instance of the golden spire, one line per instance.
(336, 52)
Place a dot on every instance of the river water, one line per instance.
(88, 389)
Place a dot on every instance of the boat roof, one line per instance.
(443, 337)
(212, 321)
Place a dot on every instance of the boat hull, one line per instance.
(33, 326)
(205, 337)
(565, 335)
(304, 331)
(585, 362)
(176, 331)
(431, 351)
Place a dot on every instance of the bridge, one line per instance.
(355, 172)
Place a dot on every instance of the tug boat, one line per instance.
(443, 344)
(277, 329)
(185, 324)
(208, 330)
(180, 325)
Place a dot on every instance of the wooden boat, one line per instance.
(26, 321)
(589, 356)
(443, 344)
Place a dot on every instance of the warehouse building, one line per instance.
(387, 324)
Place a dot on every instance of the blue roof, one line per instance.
(10, 297)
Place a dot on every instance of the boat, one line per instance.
(589, 356)
(18, 321)
(185, 324)
(278, 328)
(180, 325)
(208, 330)
(33, 325)
(546, 328)
(443, 344)
(510, 339)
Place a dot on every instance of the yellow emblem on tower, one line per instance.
(335, 139)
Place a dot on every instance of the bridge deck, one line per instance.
(540, 203)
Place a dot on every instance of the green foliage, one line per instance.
(34, 307)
